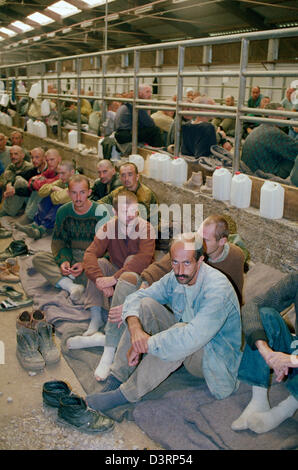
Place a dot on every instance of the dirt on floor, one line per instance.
(26, 424)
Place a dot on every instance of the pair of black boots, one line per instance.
(73, 410)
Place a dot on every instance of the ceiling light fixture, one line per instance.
(113, 17)
(66, 30)
(86, 24)
(143, 9)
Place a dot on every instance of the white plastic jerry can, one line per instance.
(241, 186)
(272, 200)
(221, 184)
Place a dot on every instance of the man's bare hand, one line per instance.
(65, 268)
(133, 358)
(115, 314)
(105, 281)
(76, 269)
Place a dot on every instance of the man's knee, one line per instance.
(130, 277)
(39, 258)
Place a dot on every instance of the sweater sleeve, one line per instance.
(278, 297)
(155, 271)
(96, 250)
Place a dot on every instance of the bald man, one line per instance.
(108, 180)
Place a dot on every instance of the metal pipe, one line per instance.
(135, 97)
(240, 101)
(181, 52)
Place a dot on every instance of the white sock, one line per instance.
(258, 402)
(78, 342)
(260, 422)
(66, 284)
(96, 321)
(102, 370)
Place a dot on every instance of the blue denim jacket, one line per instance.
(216, 326)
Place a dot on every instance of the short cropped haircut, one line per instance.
(221, 226)
(129, 163)
(79, 179)
(195, 241)
(130, 198)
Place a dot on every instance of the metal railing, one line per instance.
(238, 112)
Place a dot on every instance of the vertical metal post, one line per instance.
(207, 60)
(104, 88)
(135, 97)
(240, 101)
(59, 104)
(78, 72)
(272, 56)
(181, 52)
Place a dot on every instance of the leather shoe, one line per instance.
(16, 248)
(5, 233)
(73, 411)
(53, 391)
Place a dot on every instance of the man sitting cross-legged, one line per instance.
(270, 346)
(52, 195)
(203, 331)
(221, 254)
(73, 232)
(129, 242)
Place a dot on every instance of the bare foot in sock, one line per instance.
(103, 369)
(77, 293)
(261, 422)
(79, 342)
(258, 403)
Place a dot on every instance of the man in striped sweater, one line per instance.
(73, 232)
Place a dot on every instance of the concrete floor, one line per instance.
(26, 424)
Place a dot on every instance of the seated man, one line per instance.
(163, 120)
(226, 124)
(203, 331)
(148, 132)
(108, 180)
(270, 345)
(4, 151)
(269, 149)
(18, 167)
(129, 177)
(199, 135)
(52, 195)
(23, 188)
(48, 175)
(222, 255)
(255, 98)
(73, 232)
(287, 103)
(129, 242)
(16, 138)
(248, 127)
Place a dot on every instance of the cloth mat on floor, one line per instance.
(180, 413)
(54, 302)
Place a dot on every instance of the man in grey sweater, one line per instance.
(270, 345)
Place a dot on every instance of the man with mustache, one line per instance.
(203, 330)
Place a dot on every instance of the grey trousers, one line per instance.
(113, 332)
(151, 371)
(12, 205)
(45, 264)
(33, 200)
(95, 297)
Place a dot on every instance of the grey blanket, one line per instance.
(180, 413)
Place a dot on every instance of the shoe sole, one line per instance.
(64, 423)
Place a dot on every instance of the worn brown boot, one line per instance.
(6, 275)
